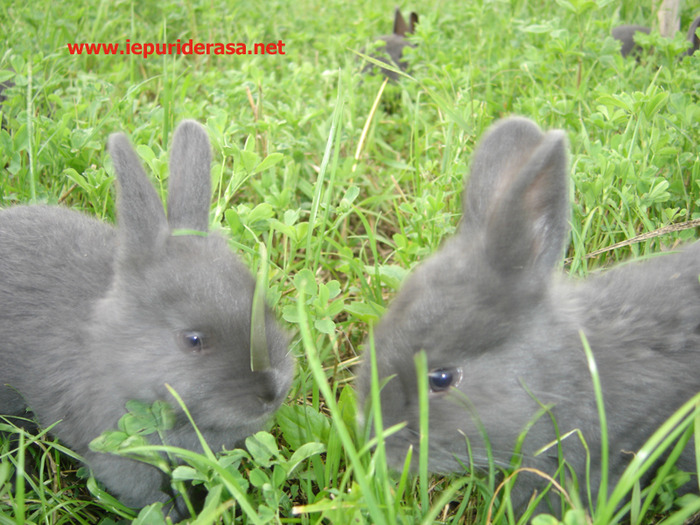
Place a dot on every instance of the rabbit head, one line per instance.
(183, 300)
(506, 370)
(394, 44)
(462, 302)
(94, 316)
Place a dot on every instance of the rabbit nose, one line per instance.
(267, 395)
(271, 390)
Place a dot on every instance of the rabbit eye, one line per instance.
(441, 379)
(192, 341)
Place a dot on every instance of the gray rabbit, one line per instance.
(500, 329)
(92, 316)
(392, 51)
(625, 35)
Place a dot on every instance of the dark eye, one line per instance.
(191, 341)
(441, 379)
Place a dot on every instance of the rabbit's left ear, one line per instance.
(189, 187)
(400, 25)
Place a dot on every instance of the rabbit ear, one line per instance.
(518, 196)
(400, 25)
(412, 21)
(189, 188)
(140, 211)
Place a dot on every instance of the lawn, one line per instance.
(347, 197)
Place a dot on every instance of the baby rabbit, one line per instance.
(92, 316)
(625, 34)
(501, 332)
(394, 44)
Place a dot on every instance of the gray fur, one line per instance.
(490, 303)
(92, 316)
(392, 50)
(625, 34)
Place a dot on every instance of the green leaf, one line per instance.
(262, 212)
(306, 282)
(623, 101)
(334, 308)
(302, 424)
(289, 314)
(185, 473)
(234, 221)
(279, 476)
(5, 470)
(146, 154)
(347, 403)
(284, 229)
(151, 515)
(350, 195)
(108, 441)
(246, 158)
(266, 513)
(303, 453)
(290, 217)
(390, 274)
(258, 478)
(164, 415)
(365, 311)
(544, 519)
(325, 326)
(146, 419)
(262, 448)
(654, 104)
(575, 517)
(268, 162)
(323, 296)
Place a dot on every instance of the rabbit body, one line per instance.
(93, 316)
(501, 332)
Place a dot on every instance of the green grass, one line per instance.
(342, 225)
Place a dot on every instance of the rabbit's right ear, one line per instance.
(517, 197)
(400, 25)
(140, 214)
(412, 21)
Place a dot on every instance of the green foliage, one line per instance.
(344, 218)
